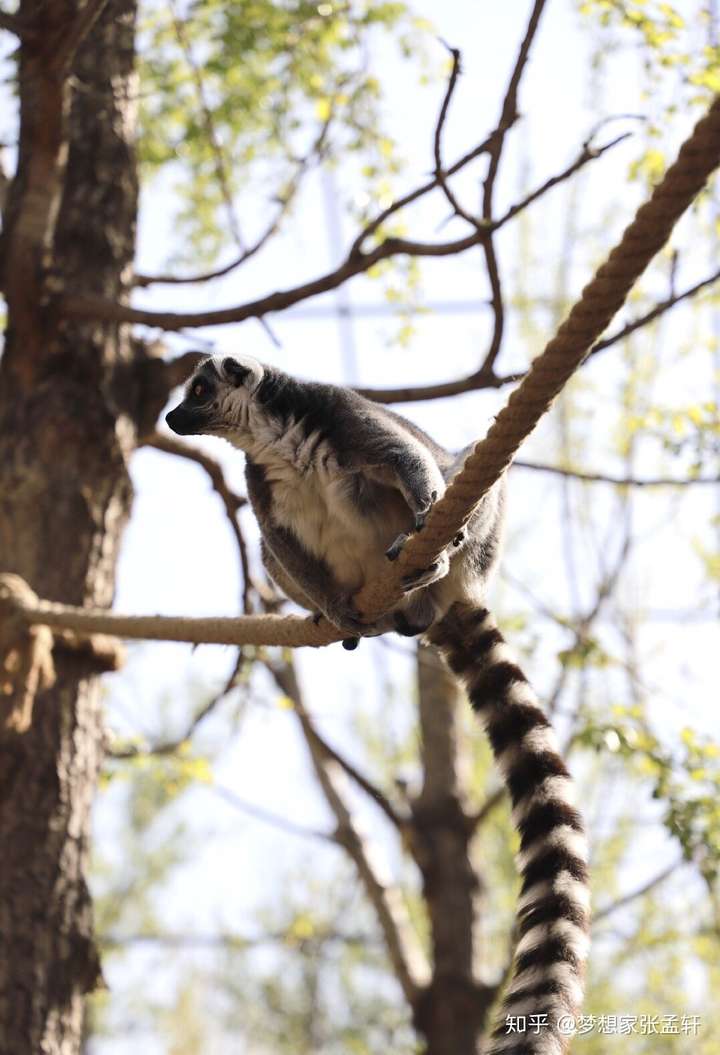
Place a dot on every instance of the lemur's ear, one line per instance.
(234, 371)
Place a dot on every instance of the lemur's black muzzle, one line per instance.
(185, 422)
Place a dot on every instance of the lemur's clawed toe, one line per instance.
(421, 577)
(393, 551)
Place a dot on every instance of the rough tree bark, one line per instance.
(451, 1013)
(64, 489)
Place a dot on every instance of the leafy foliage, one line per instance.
(243, 96)
(685, 778)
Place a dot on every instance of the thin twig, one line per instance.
(627, 899)
(405, 955)
(370, 789)
(231, 941)
(169, 445)
(491, 803)
(267, 816)
(231, 501)
(440, 176)
(508, 117)
(221, 167)
(660, 308)
(169, 747)
(588, 153)
(481, 379)
(272, 228)
(356, 263)
(85, 19)
(616, 481)
(142, 281)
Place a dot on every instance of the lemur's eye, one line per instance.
(198, 389)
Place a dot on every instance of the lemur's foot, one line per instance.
(405, 628)
(345, 616)
(425, 576)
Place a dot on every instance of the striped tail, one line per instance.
(546, 985)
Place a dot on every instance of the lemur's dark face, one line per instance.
(215, 396)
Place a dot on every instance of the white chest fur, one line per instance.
(312, 497)
(317, 508)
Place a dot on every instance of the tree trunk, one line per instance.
(64, 498)
(452, 1010)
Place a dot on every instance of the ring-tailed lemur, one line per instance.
(337, 483)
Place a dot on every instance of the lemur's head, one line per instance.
(217, 397)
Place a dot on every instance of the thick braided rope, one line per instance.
(599, 301)
(18, 602)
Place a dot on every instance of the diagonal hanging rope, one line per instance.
(599, 301)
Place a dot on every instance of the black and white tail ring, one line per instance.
(546, 986)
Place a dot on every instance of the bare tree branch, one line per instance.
(170, 445)
(16, 25)
(442, 390)
(588, 153)
(370, 789)
(442, 181)
(285, 201)
(268, 817)
(357, 261)
(76, 305)
(491, 802)
(142, 281)
(616, 481)
(508, 117)
(229, 941)
(231, 501)
(646, 888)
(405, 954)
(660, 308)
(221, 168)
(169, 747)
(415, 195)
(83, 306)
(86, 18)
(482, 379)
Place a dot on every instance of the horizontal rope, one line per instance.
(213, 630)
